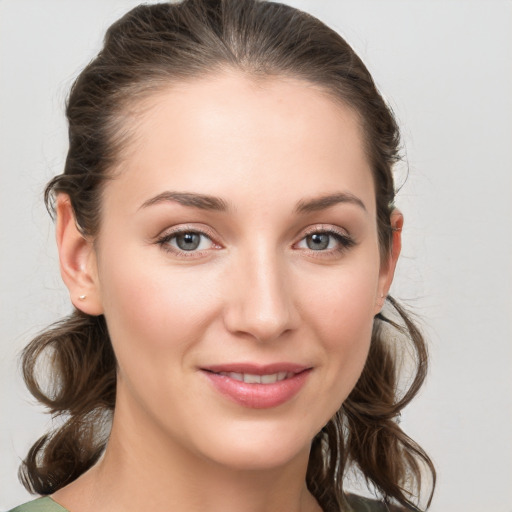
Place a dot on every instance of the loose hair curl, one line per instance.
(149, 48)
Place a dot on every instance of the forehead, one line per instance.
(228, 133)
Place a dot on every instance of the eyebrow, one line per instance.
(324, 202)
(213, 203)
(201, 201)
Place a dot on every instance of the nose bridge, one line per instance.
(263, 304)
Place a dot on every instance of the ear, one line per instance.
(78, 266)
(387, 269)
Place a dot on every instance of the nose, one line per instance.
(261, 303)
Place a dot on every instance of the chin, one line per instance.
(257, 458)
(258, 447)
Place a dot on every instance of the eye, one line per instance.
(326, 240)
(186, 241)
(319, 241)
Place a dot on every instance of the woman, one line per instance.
(226, 230)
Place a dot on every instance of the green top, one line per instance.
(46, 504)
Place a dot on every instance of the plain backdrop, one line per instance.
(446, 69)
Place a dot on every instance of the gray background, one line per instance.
(446, 69)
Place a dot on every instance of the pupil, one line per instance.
(188, 241)
(318, 241)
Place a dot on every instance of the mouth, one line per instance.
(258, 387)
(252, 378)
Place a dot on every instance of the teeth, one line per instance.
(269, 379)
(250, 378)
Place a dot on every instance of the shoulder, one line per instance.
(360, 504)
(45, 504)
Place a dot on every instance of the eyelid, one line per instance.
(185, 228)
(170, 233)
(344, 239)
(325, 228)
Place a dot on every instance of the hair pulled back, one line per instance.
(149, 48)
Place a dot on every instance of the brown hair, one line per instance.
(146, 49)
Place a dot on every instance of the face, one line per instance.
(238, 267)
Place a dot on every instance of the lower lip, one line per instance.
(258, 396)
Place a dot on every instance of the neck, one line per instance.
(142, 469)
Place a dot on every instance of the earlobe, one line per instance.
(387, 271)
(77, 260)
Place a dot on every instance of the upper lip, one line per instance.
(256, 369)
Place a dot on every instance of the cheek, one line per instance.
(346, 329)
(146, 305)
(341, 302)
(341, 312)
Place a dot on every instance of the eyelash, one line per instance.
(164, 240)
(344, 241)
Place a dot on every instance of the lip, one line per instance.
(254, 395)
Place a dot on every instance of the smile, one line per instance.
(251, 378)
(258, 387)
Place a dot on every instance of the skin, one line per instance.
(254, 291)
